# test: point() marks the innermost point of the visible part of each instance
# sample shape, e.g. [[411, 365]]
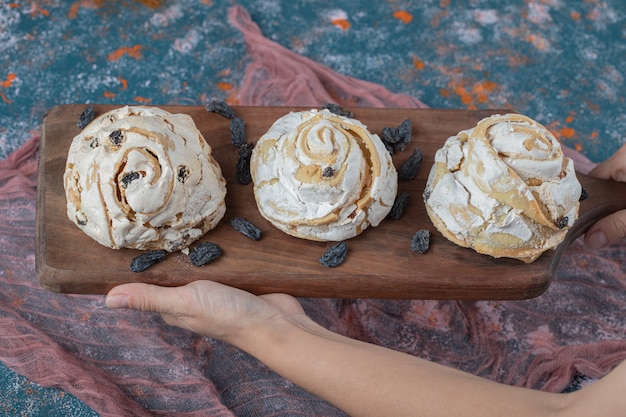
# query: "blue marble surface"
[[560, 62]]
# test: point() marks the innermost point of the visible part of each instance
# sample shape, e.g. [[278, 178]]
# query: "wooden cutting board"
[[380, 263]]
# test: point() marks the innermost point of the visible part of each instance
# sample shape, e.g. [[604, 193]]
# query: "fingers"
[[606, 231], [613, 168]]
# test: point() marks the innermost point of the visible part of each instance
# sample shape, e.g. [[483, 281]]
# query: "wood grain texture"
[[380, 263]]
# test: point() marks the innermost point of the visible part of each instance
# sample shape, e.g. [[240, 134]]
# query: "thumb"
[[606, 231], [144, 297]]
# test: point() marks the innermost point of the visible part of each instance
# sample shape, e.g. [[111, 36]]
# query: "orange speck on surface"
[[483, 89], [7, 83], [73, 12], [18, 302], [417, 63], [594, 134], [538, 42], [14, 5], [569, 119], [140, 99], [4, 98], [444, 3], [568, 132], [152, 4], [574, 15], [444, 93], [225, 86], [132, 51], [224, 72], [404, 16], [343, 24], [109, 94], [123, 82], [578, 147]]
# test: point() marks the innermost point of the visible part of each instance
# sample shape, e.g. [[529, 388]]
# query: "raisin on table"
[[220, 107], [204, 253], [246, 228], [411, 167], [86, 117], [400, 203], [421, 241], [147, 259], [335, 255]]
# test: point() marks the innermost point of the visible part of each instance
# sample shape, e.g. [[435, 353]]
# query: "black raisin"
[[421, 241], [183, 174], [94, 143], [237, 131], [410, 168], [390, 135], [335, 255], [243, 164], [562, 222], [147, 259], [337, 109], [397, 210], [584, 194], [328, 172], [220, 107], [246, 228], [405, 133], [396, 139], [204, 253], [128, 178], [426, 194], [116, 137], [86, 117]]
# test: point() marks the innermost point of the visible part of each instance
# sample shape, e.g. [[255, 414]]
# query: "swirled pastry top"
[[503, 188], [143, 178], [320, 176]]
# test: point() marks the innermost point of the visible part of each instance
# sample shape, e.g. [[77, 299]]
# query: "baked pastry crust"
[[503, 188], [143, 178], [321, 176]]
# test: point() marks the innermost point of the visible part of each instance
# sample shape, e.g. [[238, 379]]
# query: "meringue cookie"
[[503, 188], [143, 178], [321, 176]]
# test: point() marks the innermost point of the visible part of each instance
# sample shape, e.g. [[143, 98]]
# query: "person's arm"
[[610, 229], [359, 378]]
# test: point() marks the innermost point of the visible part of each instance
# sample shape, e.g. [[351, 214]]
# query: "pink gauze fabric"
[[126, 363]]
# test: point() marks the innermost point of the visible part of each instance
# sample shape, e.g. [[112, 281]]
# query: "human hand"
[[612, 228], [208, 308]]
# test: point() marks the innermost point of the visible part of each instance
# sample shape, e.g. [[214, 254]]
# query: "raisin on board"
[[421, 241], [400, 203], [243, 174], [335, 255], [86, 117], [396, 139], [220, 107], [246, 228], [147, 259], [204, 253], [337, 109], [411, 166], [237, 131]]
